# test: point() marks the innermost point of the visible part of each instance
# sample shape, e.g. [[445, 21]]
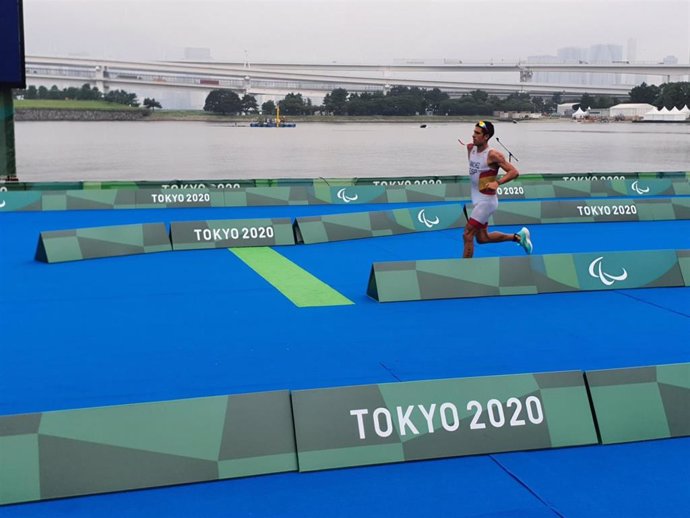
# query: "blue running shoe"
[[525, 241]]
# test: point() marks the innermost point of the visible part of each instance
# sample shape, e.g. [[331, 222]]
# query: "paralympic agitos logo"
[[639, 190], [596, 271], [342, 195], [428, 223]]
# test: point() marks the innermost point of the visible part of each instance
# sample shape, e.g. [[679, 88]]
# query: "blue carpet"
[[186, 324]]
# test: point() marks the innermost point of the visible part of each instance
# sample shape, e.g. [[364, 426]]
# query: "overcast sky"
[[352, 30]]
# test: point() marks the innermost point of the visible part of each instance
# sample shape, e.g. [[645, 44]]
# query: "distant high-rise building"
[[572, 55], [671, 60], [544, 77], [602, 54]]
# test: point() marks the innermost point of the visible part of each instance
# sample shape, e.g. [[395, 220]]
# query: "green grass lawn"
[[49, 104]]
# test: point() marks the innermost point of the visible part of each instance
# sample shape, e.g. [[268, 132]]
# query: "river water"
[[61, 151]]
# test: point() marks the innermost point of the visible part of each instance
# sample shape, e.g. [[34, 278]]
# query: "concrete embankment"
[[30, 114]]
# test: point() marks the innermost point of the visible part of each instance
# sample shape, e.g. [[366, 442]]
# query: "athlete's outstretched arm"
[[468, 146]]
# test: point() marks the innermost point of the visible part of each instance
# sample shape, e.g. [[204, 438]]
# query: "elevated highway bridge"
[[314, 79]]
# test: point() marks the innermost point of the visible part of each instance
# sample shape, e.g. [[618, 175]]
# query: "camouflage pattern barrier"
[[145, 197], [355, 225], [387, 181], [495, 276], [244, 197], [590, 211], [397, 422], [12, 201], [236, 183], [193, 235], [526, 189], [641, 403], [684, 261], [99, 450], [66, 200], [90, 243]]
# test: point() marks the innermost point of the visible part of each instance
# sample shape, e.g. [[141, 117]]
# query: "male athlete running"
[[484, 165]]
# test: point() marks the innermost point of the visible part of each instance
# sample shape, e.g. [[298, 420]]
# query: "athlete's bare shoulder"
[[495, 157]]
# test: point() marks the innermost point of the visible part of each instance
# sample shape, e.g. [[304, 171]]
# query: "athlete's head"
[[486, 128], [483, 131]]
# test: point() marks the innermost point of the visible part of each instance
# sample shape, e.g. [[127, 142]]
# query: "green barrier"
[[635, 208], [120, 184], [495, 276], [41, 186], [90, 243], [641, 403], [192, 235], [87, 200], [267, 196], [684, 262], [676, 177], [383, 194], [350, 195], [605, 177], [529, 189], [590, 211], [118, 448], [397, 422], [595, 271], [355, 225], [12, 201], [91, 199], [99, 450]]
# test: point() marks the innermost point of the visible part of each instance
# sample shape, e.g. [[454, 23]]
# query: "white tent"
[[630, 110], [651, 115], [565, 109], [666, 115], [579, 114]]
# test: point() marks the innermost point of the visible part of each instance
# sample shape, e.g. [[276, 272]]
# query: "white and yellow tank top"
[[481, 172]]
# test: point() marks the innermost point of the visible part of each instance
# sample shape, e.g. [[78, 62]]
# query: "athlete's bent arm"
[[497, 158]]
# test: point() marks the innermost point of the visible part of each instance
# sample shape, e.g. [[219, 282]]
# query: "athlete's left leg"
[[522, 238], [484, 236]]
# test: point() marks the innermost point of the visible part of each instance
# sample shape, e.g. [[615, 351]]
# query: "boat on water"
[[278, 122]]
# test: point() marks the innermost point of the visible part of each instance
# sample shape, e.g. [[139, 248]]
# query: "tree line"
[[666, 95], [85, 93], [402, 100], [398, 100]]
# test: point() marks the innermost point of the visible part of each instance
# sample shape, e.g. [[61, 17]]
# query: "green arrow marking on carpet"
[[298, 285]]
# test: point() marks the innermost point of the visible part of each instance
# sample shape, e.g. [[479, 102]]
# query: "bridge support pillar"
[[99, 79], [525, 75], [8, 166]]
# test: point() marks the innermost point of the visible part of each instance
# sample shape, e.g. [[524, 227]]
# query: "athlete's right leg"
[[468, 239]]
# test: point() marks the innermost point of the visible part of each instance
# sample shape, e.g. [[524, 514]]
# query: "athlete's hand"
[[493, 185]]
